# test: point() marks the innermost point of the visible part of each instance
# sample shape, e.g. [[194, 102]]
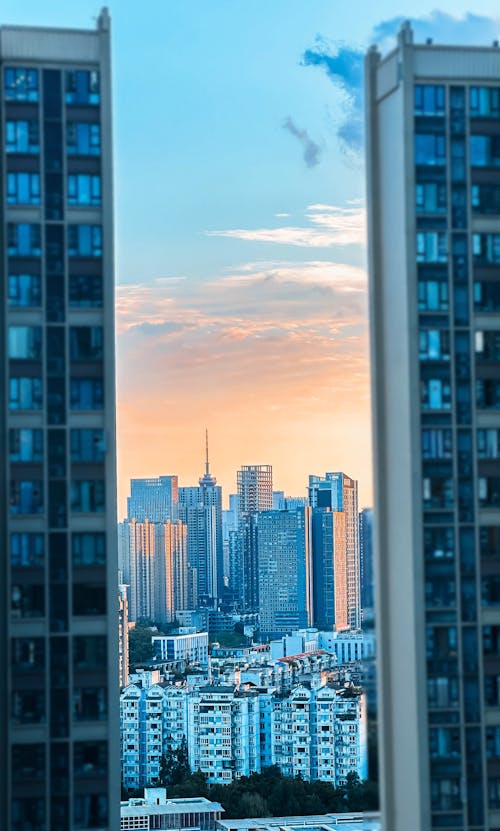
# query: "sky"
[[240, 227]]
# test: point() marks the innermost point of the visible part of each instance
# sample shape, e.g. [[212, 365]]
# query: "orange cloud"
[[272, 358]]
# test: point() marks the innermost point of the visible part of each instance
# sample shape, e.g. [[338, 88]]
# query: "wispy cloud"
[[311, 150], [343, 64], [329, 225]]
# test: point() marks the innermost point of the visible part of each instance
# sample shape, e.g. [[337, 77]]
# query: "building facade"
[[123, 635], [367, 598], [339, 493], [255, 488], [154, 499], [314, 731], [433, 120], [284, 556], [182, 649], [59, 635]]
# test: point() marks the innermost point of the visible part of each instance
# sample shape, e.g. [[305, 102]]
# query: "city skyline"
[[241, 279]]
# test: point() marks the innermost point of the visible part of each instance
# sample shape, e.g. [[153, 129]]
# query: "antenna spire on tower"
[[207, 467]]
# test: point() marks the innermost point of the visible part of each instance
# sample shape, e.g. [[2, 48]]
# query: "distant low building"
[[155, 810], [179, 650]]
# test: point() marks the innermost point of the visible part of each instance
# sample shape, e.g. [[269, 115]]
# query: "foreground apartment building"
[[434, 208], [59, 726]]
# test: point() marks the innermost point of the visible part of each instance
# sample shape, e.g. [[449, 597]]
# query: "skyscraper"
[[339, 493], [59, 605], [155, 499], [329, 569], [284, 555], [366, 562], [255, 488], [433, 123]]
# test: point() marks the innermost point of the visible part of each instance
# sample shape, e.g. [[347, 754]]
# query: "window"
[[491, 641], [490, 590], [27, 550], [23, 240], [90, 759], [430, 149], [486, 248], [488, 444], [25, 343], [27, 600], [433, 295], [437, 444], [429, 99], [87, 496], [84, 189], [437, 492], [28, 655], [87, 445], [24, 290], [85, 291], [446, 794], [432, 247], [444, 742], [86, 343], [436, 394], [484, 151], [21, 84], [91, 810], [83, 138], [487, 345], [25, 393], [89, 652], [25, 445], [88, 549], [488, 394], [26, 496], [430, 198], [489, 541], [439, 543], [28, 707], [90, 704], [82, 87], [84, 240], [22, 137], [484, 102], [87, 394], [485, 199], [489, 491], [434, 345], [89, 599], [487, 297], [23, 189]]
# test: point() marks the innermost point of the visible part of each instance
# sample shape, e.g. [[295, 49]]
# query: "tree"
[[140, 647]]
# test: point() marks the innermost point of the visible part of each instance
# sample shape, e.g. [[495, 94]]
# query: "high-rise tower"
[[434, 217], [58, 585]]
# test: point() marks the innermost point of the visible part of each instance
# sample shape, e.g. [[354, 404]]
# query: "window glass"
[[25, 445], [87, 445], [84, 189], [430, 198], [86, 343], [87, 496], [432, 295], [27, 600], [25, 393], [85, 290], [436, 394], [26, 496], [86, 394], [432, 247], [24, 290], [90, 759], [84, 240], [88, 549], [28, 707], [437, 444], [429, 99], [90, 703], [83, 138], [82, 87], [89, 652], [22, 137], [23, 240], [23, 188], [20, 84], [27, 550], [89, 599], [25, 343], [484, 102], [488, 394], [430, 149]]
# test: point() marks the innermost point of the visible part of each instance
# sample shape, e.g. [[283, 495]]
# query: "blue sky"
[[239, 305]]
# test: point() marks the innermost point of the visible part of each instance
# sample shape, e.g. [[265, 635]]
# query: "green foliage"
[[140, 647], [271, 794], [231, 640]]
